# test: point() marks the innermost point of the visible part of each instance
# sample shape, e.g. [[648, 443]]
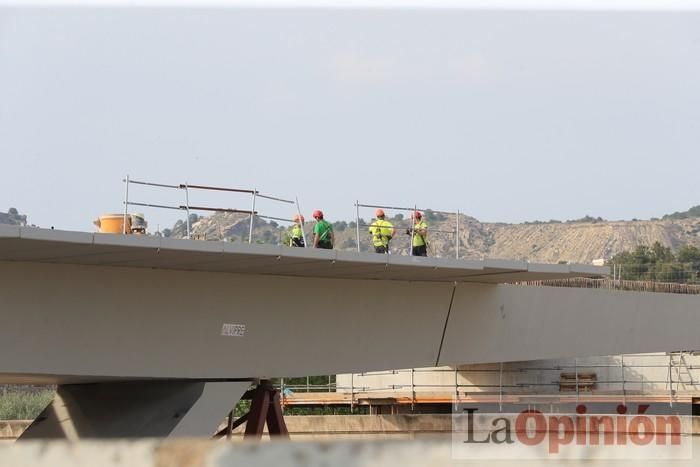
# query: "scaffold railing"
[[617, 284], [188, 208], [670, 364], [358, 224]]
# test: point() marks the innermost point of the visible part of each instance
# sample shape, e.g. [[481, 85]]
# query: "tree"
[[690, 213], [689, 254], [658, 263]]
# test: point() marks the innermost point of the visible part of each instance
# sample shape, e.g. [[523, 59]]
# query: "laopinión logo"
[[585, 430]]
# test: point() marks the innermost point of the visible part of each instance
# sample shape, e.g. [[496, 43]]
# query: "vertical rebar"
[[678, 370], [413, 230], [282, 393], [352, 392], [457, 236], [576, 373], [413, 389], [126, 205], [670, 380], [252, 217], [622, 371], [500, 388], [303, 231], [456, 385], [187, 208], [229, 430], [357, 223]]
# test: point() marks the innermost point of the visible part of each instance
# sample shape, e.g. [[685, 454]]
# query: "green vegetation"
[[586, 220], [340, 226], [582, 220], [23, 405], [659, 263], [434, 216], [693, 212], [551, 221]]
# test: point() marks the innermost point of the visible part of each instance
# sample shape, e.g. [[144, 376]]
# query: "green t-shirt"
[[323, 229]]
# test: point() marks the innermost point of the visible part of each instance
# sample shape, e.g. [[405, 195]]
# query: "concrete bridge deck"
[[173, 331]]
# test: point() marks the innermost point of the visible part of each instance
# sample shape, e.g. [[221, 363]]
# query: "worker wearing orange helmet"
[[323, 232], [296, 236], [419, 234], [382, 231]]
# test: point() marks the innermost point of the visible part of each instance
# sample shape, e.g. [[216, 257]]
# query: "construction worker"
[[323, 232], [296, 236], [419, 232], [382, 232]]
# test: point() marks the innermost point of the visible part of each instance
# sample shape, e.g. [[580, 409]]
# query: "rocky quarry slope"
[[552, 242]]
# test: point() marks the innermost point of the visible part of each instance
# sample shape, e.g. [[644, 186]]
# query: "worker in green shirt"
[[296, 236], [419, 232], [323, 232], [382, 232]]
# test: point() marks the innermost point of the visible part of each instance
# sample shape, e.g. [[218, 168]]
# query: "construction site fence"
[[617, 284]]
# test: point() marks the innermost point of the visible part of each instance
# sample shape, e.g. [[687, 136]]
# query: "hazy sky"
[[505, 115]]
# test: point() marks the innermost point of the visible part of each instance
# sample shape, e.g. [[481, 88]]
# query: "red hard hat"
[[379, 213], [318, 214], [298, 217], [417, 214]]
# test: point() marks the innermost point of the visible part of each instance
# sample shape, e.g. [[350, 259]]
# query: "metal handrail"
[[188, 208]]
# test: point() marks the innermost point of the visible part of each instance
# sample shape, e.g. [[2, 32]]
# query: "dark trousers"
[[325, 246], [298, 242], [420, 250], [381, 249]]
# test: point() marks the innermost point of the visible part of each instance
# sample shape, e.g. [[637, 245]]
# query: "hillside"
[[574, 241]]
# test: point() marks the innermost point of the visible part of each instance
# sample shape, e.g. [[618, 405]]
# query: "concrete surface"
[[140, 251], [148, 453]]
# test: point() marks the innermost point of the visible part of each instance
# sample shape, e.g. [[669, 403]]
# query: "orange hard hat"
[[379, 213], [417, 215], [299, 218], [318, 214]]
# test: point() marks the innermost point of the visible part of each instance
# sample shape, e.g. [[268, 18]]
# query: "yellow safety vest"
[[418, 239], [381, 231]]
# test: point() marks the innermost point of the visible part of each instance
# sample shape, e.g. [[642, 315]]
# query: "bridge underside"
[[172, 329]]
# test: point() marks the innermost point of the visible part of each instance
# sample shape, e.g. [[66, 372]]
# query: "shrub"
[[23, 405]]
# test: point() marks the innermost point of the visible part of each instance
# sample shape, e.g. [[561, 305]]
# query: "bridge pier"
[[135, 409]]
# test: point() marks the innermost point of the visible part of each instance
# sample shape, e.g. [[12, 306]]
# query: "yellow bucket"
[[113, 223]]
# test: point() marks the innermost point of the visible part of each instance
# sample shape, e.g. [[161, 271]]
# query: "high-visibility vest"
[[418, 239], [297, 232], [381, 231]]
